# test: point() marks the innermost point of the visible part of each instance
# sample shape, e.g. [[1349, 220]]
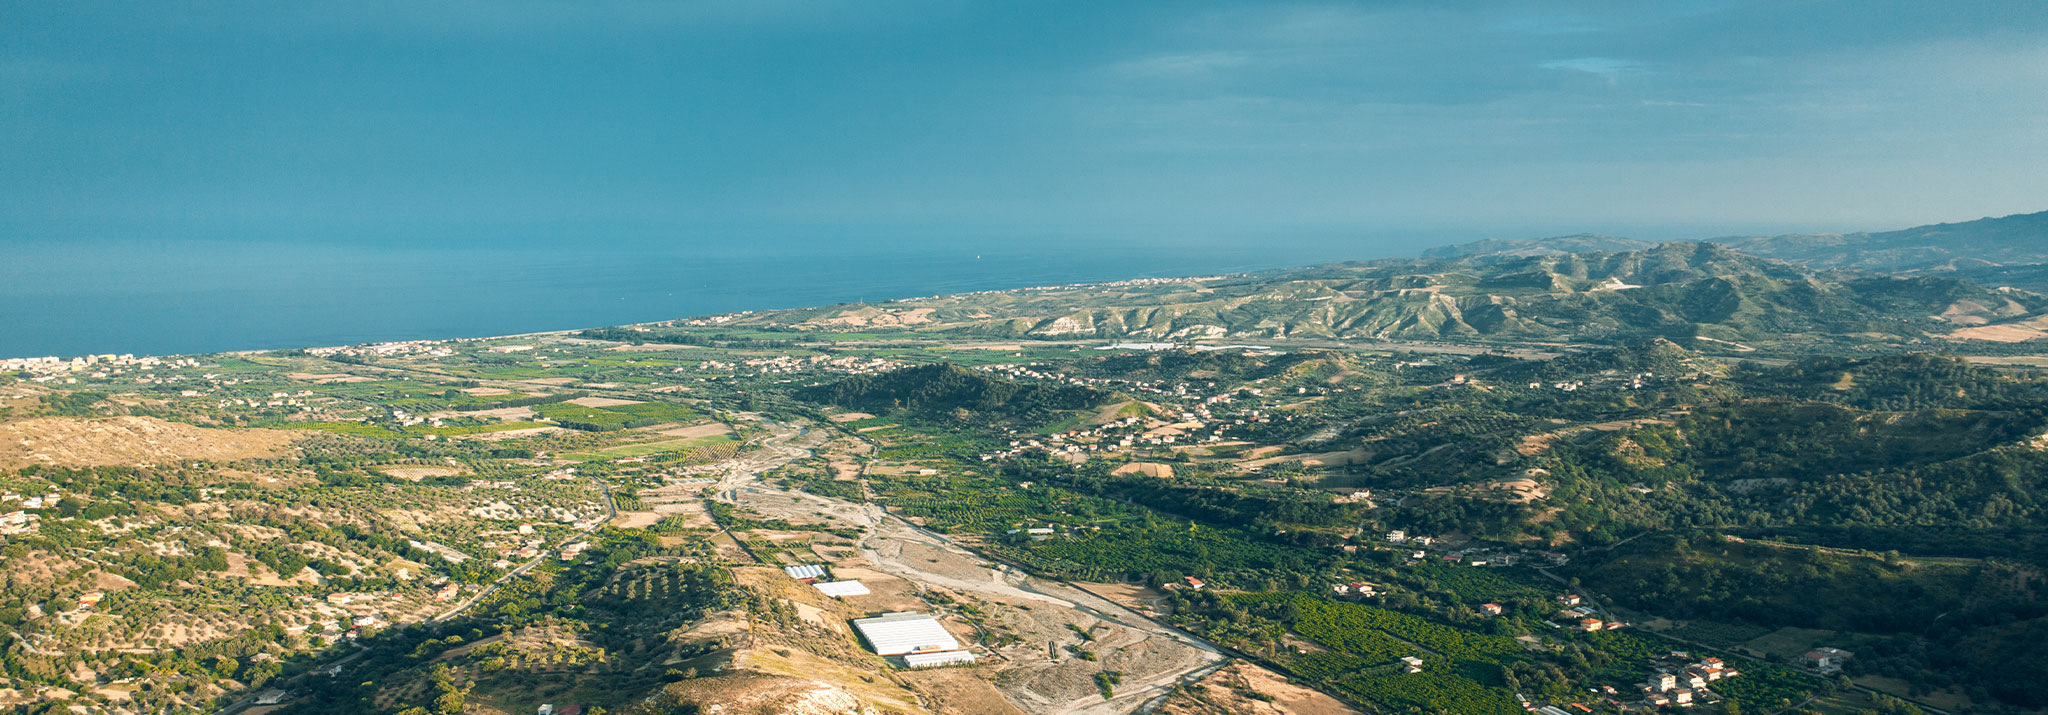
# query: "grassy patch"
[[481, 429], [647, 448], [349, 428], [603, 419]]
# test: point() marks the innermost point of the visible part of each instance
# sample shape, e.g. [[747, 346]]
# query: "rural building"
[[804, 571], [903, 633], [1569, 599], [1491, 609], [935, 660], [272, 696], [1826, 660], [841, 589]]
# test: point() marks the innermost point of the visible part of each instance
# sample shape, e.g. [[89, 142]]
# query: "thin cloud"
[[1603, 66], [1183, 65]]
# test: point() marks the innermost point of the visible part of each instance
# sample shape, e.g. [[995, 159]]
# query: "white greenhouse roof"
[[840, 589], [933, 660], [900, 633], [804, 571]]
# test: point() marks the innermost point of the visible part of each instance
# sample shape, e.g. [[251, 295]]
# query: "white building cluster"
[[429, 348]]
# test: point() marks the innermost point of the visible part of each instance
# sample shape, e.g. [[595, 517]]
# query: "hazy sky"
[[424, 121]]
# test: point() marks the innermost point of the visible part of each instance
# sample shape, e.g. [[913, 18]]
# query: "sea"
[[193, 296], [188, 297]]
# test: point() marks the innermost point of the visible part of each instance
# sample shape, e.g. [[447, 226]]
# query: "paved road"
[[883, 535]]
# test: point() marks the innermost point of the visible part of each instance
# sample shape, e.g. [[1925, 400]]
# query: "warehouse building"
[[935, 660], [904, 633], [841, 589]]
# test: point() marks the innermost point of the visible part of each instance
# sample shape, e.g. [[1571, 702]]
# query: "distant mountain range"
[[1970, 247], [1923, 287], [1527, 247], [1522, 293]]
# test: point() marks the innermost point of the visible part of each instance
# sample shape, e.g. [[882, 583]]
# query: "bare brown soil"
[[502, 435], [328, 378], [2011, 333], [1226, 692], [636, 519], [110, 441], [866, 317], [695, 431], [1519, 491], [954, 690], [1150, 469], [415, 472]]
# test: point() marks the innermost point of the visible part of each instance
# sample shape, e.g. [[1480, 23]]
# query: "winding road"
[[883, 541]]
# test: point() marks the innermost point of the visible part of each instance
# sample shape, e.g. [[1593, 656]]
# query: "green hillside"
[[951, 390]]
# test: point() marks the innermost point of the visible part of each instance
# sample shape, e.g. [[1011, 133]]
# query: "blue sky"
[[1172, 122]]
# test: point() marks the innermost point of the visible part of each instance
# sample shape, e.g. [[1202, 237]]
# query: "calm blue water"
[[175, 295], [190, 297]]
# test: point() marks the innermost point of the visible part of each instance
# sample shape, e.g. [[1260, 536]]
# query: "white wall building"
[[904, 632]]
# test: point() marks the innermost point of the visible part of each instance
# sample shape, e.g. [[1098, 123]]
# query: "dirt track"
[[1038, 675]]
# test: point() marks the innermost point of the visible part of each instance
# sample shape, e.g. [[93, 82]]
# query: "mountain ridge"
[[1965, 246], [1679, 290]]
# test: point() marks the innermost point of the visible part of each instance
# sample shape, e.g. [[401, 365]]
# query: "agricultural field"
[[1468, 666], [363, 497], [614, 417]]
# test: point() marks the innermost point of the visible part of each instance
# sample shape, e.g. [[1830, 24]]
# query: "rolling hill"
[[1673, 290], [2020, 239], [1976, 248], [947, 389]]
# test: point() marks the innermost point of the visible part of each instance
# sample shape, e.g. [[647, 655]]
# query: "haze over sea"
[[180, 177], [165, 297]]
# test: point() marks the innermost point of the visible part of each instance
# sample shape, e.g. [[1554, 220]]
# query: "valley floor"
[[1152, 657]]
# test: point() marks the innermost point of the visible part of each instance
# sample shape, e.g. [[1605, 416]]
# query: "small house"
[[1826, 660]]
